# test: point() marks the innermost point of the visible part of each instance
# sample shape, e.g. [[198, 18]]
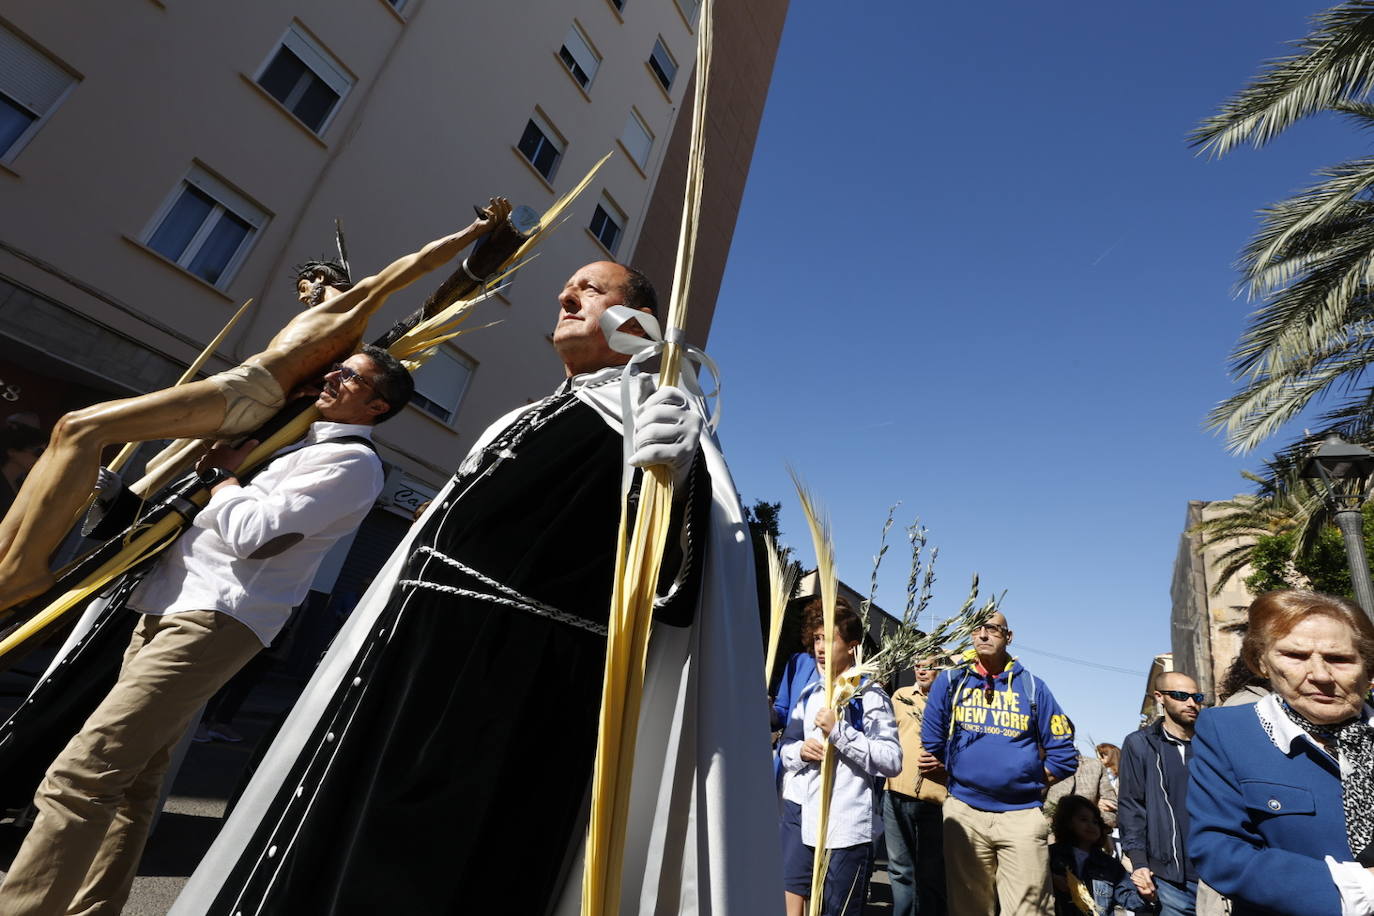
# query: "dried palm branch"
[[553, 217], [639, 555], [782, 582], [129, 448], [828, 582]]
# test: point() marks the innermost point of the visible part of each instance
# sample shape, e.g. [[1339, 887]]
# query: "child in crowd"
[[1087, 880], [864, 735]]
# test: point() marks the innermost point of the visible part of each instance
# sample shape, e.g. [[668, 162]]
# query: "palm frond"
[[1357, 112], [1334, 63], [1267, 401], [1286, 503], [1322, 215]]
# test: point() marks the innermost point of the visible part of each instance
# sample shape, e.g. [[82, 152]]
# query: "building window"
[[618, 4], [31, 87], [637, 139], [663, 65], [205, 227], [441, 383], [608, 224], [579, 57], [398, 5], [542, 146], [689, 10], [306, 79]]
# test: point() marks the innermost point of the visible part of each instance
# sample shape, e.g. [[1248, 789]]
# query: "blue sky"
[[978, 270]]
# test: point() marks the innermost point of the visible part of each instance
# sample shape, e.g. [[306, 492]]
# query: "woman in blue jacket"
[[1281, 793]]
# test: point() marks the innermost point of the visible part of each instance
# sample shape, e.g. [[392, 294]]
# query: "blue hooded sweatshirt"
[[988, 732]]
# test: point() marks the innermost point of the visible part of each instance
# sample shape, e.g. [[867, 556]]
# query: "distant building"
[[1149, 707], [808, 587], [1205, 628], [164, 162]]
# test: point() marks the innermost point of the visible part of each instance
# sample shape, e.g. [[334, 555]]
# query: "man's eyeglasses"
[[1183, 695], [348, 375], [991, 629]]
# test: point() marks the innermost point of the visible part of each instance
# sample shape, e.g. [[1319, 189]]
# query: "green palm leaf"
[[1334, 65]]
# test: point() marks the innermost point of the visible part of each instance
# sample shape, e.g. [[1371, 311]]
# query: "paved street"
[[191, 818]]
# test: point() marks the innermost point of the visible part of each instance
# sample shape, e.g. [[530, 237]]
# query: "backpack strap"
[[954, 690], [354, 439], [359, 440]]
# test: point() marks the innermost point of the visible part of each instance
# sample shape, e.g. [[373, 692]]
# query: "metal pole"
[[1351, 523]]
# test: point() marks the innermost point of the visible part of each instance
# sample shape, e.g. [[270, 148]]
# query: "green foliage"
[[1322, 567], [1311, 262]]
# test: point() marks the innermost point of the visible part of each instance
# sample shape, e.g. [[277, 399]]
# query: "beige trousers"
[[98, 799], [996, 857]]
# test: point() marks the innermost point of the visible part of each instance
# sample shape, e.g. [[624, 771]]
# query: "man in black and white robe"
[[444, 749]]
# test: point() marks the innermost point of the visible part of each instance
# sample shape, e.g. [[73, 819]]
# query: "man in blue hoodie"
[[1001, 736]]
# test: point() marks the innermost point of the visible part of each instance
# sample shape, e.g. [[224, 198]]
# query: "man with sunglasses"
[[1152, 798], [216, 598]]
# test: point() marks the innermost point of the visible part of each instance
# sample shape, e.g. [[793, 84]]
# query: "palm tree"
[[1271, 510], [1311, 264]]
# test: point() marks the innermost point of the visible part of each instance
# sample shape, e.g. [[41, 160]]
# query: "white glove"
[[667, 431], [107, 485]]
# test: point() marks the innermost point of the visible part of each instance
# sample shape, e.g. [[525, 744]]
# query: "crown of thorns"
[[334, 273]]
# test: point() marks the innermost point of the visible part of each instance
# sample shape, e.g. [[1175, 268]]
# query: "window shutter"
[[582, 53], [28, 76]]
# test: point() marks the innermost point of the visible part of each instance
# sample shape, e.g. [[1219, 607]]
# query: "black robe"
[[454, 761]]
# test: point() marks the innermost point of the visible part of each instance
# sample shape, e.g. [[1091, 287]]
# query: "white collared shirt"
[[863, 755], [1353, 880], [318, 489]]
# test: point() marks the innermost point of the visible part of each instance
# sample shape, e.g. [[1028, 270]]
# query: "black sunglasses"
[[347, 375], [1182, 695]]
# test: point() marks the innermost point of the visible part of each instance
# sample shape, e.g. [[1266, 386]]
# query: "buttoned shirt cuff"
[[1356, 887], [217, 499]]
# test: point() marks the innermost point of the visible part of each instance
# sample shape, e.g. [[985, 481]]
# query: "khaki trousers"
[[996, 857], [99, 796]]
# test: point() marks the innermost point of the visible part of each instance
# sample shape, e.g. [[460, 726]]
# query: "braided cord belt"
[[505, 595]]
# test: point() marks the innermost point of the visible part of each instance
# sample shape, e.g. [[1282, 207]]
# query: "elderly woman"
[[1281, 793]]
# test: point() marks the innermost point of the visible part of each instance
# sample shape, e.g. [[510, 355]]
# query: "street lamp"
[[1334, 462]]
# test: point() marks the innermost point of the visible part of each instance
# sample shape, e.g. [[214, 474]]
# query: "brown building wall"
[[746, 44]]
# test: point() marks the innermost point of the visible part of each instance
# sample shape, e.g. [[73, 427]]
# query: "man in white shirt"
[[220, 594]]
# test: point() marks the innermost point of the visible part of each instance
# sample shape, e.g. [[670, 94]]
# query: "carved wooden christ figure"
[[225, 405]]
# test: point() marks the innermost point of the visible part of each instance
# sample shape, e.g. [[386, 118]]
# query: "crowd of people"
[[401, 779], [970, 780]]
